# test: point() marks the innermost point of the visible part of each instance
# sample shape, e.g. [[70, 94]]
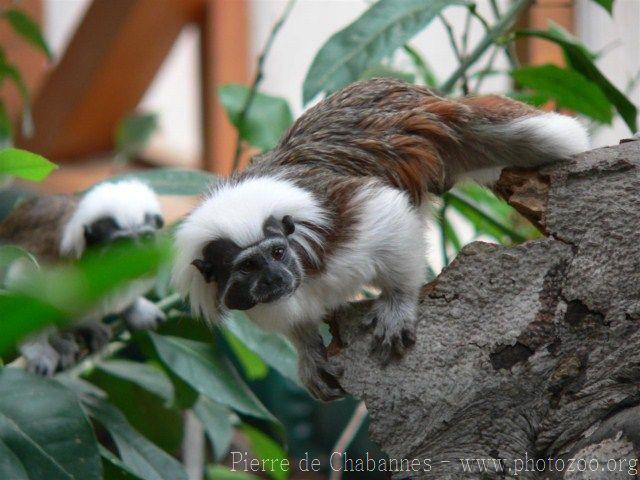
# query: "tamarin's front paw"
[[320, 376], [143, 315], [395, 328], [41, 358]]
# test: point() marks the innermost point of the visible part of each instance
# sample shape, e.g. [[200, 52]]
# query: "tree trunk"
[[528, 358]]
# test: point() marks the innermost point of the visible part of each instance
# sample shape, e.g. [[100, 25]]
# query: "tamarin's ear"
[[287, 225], [205, 268]]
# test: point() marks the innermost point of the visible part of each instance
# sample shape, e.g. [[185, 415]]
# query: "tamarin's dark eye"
[[277, 253]]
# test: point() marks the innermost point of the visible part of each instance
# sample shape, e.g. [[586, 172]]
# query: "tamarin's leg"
[[65, 344], [95, 334], [401, 271], [143, 315], [317, 373]]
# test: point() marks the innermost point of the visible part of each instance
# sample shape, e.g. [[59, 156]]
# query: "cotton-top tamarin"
[[340, 204], [58, 228]]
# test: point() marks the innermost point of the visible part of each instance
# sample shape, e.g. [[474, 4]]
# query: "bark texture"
[[523, 353]]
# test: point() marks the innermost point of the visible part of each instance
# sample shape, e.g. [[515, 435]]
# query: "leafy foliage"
[[139, 455], [581, 60], [23, 164], [57, 295], [266, 120], [134, 132], [209, 374], [568, 88], [386, 26], [44, 431], [28, 29]]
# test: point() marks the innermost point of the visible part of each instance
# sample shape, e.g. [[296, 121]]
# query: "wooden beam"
[[535, 51], [224, 58], [109, 64]]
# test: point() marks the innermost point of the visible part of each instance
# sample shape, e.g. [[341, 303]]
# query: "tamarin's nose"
[[272, 279]]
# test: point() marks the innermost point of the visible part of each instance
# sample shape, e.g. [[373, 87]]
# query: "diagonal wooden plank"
[[109, 64]]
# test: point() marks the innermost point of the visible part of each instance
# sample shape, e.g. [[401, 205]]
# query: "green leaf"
[[23, 458], [11, 466], [23, 314], [7, 70], [425, 71], [218, 422], [581, 60], [198, 365], [6, 130], [265, 448], [253, 367], [150, 378], [382, 71], [488, 217], [134, 132], [386, 26], [28, 29], [113, 467], [42, 424], [141, 457], [220, 472], [535, 99], [568, 88], [25, 165], [274, 349], [56, 295], [606, 4], [450, 235], [267, 119], [172, 181]]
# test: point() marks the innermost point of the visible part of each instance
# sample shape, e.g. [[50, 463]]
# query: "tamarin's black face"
[[107, 230], [260, 273]]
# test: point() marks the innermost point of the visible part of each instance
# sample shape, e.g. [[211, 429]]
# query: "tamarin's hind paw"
[[394, 331], [143, 315], [321, 379]]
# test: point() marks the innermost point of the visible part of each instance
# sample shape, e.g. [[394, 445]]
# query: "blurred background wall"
[[176, 96]]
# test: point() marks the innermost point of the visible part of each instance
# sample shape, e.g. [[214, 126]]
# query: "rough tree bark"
[[523, 353]]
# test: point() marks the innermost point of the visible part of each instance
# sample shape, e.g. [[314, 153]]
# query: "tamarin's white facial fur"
[[339, 205], [238, 212], [130, 204]]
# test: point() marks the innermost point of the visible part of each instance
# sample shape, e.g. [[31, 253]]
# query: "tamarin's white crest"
[[339, 204], [55, 228]]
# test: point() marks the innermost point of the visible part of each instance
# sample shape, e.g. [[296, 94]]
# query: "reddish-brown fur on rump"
[[387, 132]]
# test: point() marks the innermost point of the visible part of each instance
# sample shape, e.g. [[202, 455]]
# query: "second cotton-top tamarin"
[[340, 204], [60, 228]]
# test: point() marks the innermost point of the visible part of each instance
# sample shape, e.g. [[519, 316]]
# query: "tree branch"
[[523, 352]]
